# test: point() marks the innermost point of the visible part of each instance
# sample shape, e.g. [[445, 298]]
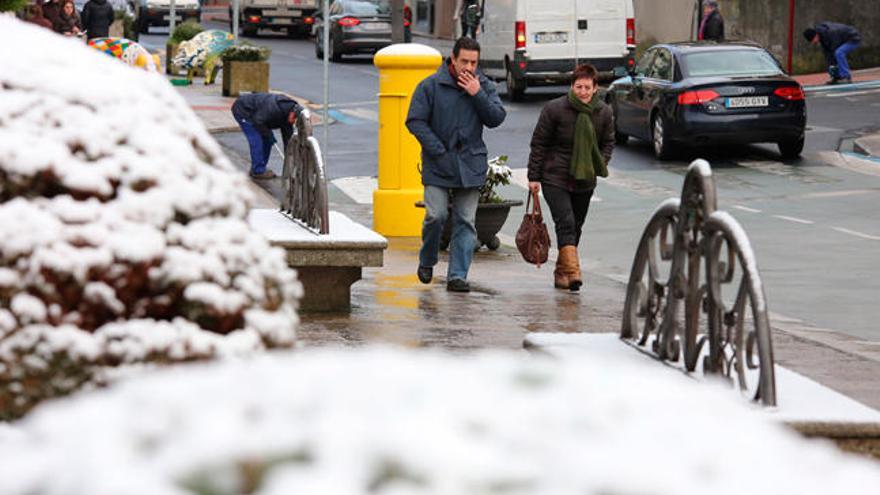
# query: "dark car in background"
[[356, 26], [707, 93]]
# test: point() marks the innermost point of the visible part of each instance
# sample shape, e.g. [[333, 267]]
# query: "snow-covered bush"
[[122, 227], [384, 421]]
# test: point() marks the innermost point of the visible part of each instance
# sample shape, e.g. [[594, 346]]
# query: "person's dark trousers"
[[840, 56], [569, 210], [260, 146]]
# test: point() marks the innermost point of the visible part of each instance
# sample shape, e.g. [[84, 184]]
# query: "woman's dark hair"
[[585, 71], [465, 43]]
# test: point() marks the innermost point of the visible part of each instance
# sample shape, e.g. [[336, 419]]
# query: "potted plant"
[[245, 68], [492, 209], [184, 32]]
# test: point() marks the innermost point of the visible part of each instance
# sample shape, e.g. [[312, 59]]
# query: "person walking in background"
[[469, 12], [571, 146], [448, 112], [97, 16], [712, 25], [67, 22], [35, 16], [257, 114], [837, 41]]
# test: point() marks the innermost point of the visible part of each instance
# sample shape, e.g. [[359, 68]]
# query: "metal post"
[[790, 34], [397, 35], [172, 22], [235, 21], [326, 42]]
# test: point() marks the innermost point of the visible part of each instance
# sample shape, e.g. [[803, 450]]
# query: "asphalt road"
[[813, 223]]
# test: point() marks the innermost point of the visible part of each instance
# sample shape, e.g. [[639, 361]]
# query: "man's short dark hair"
[[465, 43], [585, 71], [809, 34]]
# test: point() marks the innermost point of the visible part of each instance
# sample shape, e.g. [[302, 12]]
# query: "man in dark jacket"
[[97, 16], [448, 112], [257, 114], [837, 41], [712, 25]]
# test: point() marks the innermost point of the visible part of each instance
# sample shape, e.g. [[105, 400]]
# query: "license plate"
[[376, 26], [291, 13], [557, 37], [282, 20], [167, 17], [747, 101]]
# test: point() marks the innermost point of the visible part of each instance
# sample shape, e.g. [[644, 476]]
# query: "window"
[[367, 7], [645, 63], [730, 63], [661, 66]]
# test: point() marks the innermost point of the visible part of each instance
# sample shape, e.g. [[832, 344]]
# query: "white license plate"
[[376, 26], [282, 20], [292, 13], [747, 101], [557, 37], [167, 17]]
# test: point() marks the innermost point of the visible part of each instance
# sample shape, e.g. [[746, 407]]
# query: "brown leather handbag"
[[532, 238]]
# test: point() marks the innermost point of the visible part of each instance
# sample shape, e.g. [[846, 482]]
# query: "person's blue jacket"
[[448, 123], [833, 35], [267, 111]]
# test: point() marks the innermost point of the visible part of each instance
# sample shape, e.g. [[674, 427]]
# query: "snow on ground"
[[117, 206], [388, 421]]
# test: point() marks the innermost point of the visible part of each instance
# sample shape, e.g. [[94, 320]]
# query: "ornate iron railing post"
[[668, 299], [305, 185]]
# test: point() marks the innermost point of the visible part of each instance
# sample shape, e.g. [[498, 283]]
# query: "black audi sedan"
[[703, 93], [356, 26]]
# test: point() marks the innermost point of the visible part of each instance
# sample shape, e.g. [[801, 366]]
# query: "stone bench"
[[327, 264]]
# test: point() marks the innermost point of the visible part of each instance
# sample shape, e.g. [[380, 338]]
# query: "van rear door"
[[569, 29]]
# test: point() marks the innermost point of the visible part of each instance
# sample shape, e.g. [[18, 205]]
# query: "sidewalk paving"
[[511, 299]]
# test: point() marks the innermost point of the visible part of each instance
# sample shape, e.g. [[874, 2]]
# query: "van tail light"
[[349, 21], [254, 19], [631, 31], [790, 93], [309, 21], [520, 30], [697, 97]]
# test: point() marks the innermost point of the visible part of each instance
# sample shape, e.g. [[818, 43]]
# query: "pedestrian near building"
[[447, 115], [97, 16], [712, 25], [258, 114], [837, 41], [571, 146], [469, 13], [35, 16], [67, 22]]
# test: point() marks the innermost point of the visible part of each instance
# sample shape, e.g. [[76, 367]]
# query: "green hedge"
[[12, 5], [185, 32], [246, 53]]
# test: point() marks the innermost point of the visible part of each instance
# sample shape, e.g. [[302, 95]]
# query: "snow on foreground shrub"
[[122, 227], [386, 421]]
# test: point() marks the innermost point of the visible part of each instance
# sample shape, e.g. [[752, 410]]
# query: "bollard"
[[401, 68]]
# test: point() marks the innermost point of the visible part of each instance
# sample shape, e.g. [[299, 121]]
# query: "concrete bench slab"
[[327, 264]]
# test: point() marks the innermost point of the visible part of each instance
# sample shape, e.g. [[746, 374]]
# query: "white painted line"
[[857, 233], [363, 114], [852, 93], [359, 189], [794, 219], [746, 208]]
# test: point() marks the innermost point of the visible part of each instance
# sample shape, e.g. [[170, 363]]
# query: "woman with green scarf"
[[571, 146]]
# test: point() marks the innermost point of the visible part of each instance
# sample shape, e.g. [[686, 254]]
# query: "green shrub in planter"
[[128, 30], [245, 68], [185, 32], [12, 5], [246, 53]]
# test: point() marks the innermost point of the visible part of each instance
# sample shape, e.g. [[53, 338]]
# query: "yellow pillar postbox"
[[401, 68]]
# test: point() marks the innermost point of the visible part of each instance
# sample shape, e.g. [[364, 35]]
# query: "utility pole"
[[397, 35], [172, 21], [235, 21]]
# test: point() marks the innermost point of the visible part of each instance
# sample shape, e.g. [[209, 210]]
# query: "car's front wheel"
[[663, 148], [791, 148]]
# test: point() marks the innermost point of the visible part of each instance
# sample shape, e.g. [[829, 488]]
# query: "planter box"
[[245, 76], [170, 52]]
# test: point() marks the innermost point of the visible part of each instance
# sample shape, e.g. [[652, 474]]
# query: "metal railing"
[[695, 296], [305, 185]]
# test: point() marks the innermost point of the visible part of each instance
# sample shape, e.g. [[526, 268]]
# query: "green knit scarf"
[[586, 160]]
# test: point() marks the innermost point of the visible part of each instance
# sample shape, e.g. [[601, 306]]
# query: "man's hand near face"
[[469, 82]]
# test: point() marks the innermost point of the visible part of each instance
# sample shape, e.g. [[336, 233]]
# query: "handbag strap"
[[536, 205]]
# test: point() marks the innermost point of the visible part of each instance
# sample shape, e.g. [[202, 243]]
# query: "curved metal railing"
[[305, 185], [694, 282]]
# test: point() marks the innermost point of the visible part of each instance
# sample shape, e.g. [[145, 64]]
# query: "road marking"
[[359, 189], [838, 194], [857, 233], [354, 104], [746, 208], [363, 114], [794, 219], [853, 93]]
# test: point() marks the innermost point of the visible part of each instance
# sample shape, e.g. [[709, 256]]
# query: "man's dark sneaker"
[[425, 273], [844, 80], [458, 285], [267, 174]]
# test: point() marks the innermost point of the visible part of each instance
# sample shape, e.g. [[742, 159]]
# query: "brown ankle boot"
[[572, 266], [560, 276]]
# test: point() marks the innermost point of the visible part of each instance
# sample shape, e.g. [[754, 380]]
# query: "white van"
[[539, 42]]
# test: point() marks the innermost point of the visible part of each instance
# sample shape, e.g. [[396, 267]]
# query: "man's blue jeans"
[[260, 145], [840, 55], [464, 234]]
